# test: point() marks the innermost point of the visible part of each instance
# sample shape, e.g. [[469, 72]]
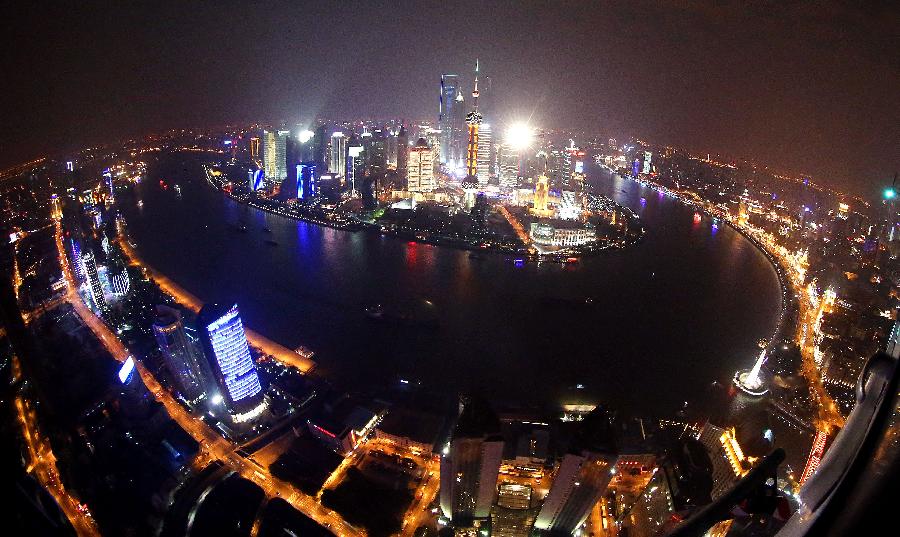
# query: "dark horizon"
[[804, 88]]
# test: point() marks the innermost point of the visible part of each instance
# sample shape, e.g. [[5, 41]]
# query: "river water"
[[667, 317]]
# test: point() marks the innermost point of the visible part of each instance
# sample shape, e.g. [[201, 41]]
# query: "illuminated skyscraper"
[[403, 153], [228, 354], [648, 156], [77, 264], [509, 166], [355, 164], [420, 168], [581, 478], [473, 124], [451, 121], [485, 155], [307, 180], [93, 279], [469, 468], [181, 357], [338, 164], [275, 156]]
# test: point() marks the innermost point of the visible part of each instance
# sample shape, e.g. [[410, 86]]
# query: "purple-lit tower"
[[228, 353]]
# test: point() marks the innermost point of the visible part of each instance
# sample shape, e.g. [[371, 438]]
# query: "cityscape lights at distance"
[[519, 135]]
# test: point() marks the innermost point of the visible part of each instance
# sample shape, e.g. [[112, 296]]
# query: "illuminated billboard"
[[126, 371]]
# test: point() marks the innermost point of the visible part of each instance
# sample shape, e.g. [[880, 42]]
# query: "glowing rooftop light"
[[890, 193], [305, 136], [519, 135]]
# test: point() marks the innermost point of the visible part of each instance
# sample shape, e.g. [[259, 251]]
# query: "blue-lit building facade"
[[225, 345], [307, 180]]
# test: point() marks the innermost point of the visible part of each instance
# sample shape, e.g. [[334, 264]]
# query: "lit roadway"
[[42, 465], [811, 307], [213, 445], [811, 319], [517, 227], [418, 512]]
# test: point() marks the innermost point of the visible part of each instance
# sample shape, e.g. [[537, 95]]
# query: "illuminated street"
[[213, 445], [470, 269], [42, 464]]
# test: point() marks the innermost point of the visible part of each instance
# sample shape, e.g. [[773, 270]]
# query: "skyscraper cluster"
[[470, 495], [215, 364]]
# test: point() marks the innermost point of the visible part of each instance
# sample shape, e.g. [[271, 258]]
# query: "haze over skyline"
[[805, 87]]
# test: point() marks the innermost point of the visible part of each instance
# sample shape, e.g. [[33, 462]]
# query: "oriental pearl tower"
[[473, 120]]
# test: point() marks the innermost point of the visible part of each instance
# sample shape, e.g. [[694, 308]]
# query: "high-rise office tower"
[[452, 122], [225, 345], [420, 168], [485, 161], [254, 148], [307, 180], [77, 264], [433, 137], [509, 166], [338, 164], [320, 148], [376, 153], [473, 125], [181, 356], [581, 477], [449, 89], [355, 163], [402, 153], [93, 279], [613, 144], [470, 467], [275, 156]]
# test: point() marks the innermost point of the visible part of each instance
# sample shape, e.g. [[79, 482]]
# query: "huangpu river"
[[642, 329]]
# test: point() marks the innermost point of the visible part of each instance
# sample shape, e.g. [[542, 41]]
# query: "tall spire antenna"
[[475, 91]]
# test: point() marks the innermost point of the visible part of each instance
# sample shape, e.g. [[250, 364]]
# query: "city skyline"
[[691, 76], [532, 269]]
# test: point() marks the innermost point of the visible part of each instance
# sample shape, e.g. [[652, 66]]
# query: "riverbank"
[[524, 250], [781, 270], [281, 353]]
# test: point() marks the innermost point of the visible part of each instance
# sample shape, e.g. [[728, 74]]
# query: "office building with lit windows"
[[93, 278], [420, 168], [485, 158], [307, 180], [275, 156], [452, 122], [182, 358], [582, 476], [225, 345], [338, 164], [471, 464]]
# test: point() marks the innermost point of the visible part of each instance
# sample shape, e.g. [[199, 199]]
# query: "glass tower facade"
[[229, 355]]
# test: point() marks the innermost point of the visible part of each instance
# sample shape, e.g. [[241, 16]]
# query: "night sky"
[[810, 87]]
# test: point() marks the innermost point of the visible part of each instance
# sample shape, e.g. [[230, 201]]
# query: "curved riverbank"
[[682, 307], [521, 246], [281, 353], [781, 270]]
